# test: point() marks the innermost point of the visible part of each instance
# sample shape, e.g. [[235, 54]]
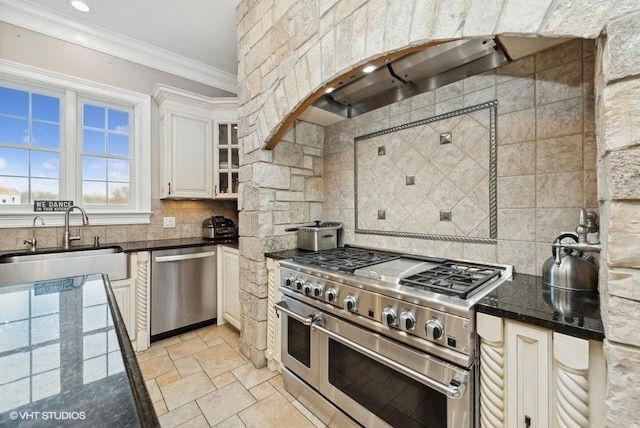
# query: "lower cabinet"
[[228, 286], [534, 377]]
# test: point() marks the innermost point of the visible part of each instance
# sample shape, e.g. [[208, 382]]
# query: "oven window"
[[392, 396], [299, 341]]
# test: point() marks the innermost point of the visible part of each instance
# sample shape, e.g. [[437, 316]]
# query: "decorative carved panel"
[[430, 179]]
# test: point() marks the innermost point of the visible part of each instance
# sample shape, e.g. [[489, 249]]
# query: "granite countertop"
[[130, 247], [66, 359], [285, 254], [525, 298]]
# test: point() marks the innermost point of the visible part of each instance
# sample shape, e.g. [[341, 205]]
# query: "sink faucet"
[[33, 241], [66, 240]]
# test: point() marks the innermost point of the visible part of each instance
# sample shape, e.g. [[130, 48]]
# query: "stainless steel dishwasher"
[[183, 289]]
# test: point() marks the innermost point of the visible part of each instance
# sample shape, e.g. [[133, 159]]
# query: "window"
[[62, 138]]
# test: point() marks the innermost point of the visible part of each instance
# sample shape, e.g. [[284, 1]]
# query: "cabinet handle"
[[527, 421], [169, 188], [215, 190]]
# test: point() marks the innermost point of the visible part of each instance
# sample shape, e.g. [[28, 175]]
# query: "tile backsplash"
[[546, 160], [188, 215]]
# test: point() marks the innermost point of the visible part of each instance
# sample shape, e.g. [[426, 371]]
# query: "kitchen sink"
[[24, 267]]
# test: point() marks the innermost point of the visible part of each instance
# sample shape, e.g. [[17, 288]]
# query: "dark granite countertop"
[[66, 359], [130, 247], [527, 299], [285, 254]]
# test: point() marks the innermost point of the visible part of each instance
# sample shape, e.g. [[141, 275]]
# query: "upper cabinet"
[[198, 145]]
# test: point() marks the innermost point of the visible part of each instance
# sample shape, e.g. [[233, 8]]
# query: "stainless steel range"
[[388, 339]]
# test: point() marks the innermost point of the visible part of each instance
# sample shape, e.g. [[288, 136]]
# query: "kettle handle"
[[567, 251]]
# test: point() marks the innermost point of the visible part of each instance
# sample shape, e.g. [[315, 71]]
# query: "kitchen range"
[[386, 338]]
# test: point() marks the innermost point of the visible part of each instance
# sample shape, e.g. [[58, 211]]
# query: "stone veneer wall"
[[188, 214], [288, 49], [546, 154]]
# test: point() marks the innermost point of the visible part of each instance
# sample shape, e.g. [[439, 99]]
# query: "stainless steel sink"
[[26, 267]]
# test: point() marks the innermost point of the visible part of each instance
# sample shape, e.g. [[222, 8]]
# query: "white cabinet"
[[228, 165], [189, 127], [228, 286], [534, 377]]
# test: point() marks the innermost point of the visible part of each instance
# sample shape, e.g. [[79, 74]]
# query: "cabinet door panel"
[[528, 366], [191, 156]]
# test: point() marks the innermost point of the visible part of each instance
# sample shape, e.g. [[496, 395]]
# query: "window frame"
[[74, 90]]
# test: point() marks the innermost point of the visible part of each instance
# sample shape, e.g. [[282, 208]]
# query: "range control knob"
[[331, 295], [434, 329], [307, 289], [350, 303], [389, 317], [318, 289], [407, 321], [299, 284], [289, 281]]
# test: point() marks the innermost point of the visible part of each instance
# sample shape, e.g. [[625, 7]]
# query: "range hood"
[[412, 74]]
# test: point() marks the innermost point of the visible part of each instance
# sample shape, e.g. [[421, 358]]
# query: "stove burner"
[[453, 278], [346, 259]]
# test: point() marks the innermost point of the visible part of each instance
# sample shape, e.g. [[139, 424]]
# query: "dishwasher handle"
[[162, 259]]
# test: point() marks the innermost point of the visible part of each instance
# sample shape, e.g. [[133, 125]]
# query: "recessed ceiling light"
[[80, 5], [369, 68]]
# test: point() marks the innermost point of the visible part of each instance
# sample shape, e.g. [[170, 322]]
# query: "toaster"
[[218, 227]]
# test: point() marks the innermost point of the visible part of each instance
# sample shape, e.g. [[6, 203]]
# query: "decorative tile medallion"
[[415, 180]]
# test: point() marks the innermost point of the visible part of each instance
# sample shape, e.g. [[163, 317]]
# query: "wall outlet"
[[168, 222]]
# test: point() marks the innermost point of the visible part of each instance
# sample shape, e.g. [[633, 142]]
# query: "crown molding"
[[51, 23]]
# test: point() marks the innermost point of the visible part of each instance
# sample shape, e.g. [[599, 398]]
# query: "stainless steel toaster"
[[218, 227]]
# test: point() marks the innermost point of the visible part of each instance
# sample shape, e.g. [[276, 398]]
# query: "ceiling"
[[195, 39]]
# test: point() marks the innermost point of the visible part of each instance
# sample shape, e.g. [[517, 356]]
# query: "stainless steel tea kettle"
[[570, 266]]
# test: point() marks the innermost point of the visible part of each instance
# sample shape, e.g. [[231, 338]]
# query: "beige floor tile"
[[156, 366], [239, 351], [186, 348], [263, 390], [182, 391], [187, 366], [164, 342], [160, 407], [154, 391], [214, 342], [224, 379], [274, 411], [251, 376], [150, 353], [198, 422], [168, 378], [307, 414], [180, 415], [190, 335], [210, 332], [219, 359], [225, 402], [278, 384], [233, 422]]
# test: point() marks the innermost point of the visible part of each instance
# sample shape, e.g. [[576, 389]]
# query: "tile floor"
[[201, 379]]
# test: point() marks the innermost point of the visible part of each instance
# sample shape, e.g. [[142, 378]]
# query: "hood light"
[[328, 90], [80, 5], [369, 68]]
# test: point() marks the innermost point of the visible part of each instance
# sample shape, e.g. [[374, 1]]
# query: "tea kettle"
[[570, 266]]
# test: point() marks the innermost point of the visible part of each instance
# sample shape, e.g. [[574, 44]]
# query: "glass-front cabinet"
[[198, 145], [228, 161]]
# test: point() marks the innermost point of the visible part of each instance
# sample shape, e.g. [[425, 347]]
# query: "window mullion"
[[69, 150]]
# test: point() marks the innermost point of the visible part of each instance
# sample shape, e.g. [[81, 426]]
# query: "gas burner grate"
[[453, 278], [345, 259]]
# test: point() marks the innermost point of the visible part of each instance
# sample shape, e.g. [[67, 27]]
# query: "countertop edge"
[[146, 412]]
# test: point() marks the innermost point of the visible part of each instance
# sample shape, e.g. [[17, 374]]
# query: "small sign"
[[51, 205]]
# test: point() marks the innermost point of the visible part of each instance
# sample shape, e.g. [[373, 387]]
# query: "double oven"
[[382, 339]]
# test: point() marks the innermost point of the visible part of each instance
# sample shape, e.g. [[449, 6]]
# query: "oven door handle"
[[454, 390], [308, 320]]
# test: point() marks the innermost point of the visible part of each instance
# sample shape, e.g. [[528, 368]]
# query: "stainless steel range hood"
[[413, 74]]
